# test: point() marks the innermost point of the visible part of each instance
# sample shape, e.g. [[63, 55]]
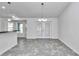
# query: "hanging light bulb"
[[39, 20], [42, 19], [42, 13], [45, 19]]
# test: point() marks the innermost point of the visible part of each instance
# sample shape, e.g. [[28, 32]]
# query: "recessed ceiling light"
[[3, 7], [9, 19], [13, 17]]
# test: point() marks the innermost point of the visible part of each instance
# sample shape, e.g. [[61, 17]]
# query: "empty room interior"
[[39, 28]]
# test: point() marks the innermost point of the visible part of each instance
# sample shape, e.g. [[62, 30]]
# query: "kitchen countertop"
[[7, 31]]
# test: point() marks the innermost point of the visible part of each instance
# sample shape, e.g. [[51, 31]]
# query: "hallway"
[[40, 47]]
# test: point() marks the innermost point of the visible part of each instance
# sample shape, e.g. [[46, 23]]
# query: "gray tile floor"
[[40, 47]]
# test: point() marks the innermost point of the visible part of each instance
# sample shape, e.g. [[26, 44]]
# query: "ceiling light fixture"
[[3, 7], [42, 13], [9, 3], [15, 18], [9, 19]]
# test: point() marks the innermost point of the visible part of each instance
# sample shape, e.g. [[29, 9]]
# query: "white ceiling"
[[32, 9]]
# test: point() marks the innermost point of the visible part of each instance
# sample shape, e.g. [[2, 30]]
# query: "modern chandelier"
[[42, 13]]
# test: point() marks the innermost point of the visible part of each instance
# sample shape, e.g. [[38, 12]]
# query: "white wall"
[[32, 28], [7, 41], [31, 31], [3, 24], [69, 26]]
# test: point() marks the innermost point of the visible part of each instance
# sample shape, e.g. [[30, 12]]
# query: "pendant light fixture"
[[42, 13]]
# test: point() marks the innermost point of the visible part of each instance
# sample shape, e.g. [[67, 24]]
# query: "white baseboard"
[[40, 38]]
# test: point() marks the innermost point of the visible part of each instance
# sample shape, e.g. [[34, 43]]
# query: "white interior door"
[[47, 30], [44, 29], [39, 29]]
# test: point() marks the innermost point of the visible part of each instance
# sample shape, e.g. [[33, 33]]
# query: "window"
[[19, 28], [10, 26]]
